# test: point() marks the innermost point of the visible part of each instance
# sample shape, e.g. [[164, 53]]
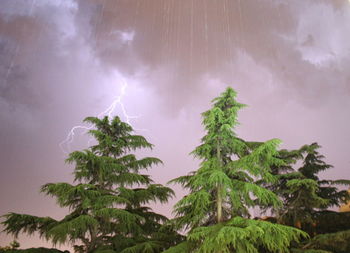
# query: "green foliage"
[[334, 242], [23, 223], [310, 251], [304, 194], [109, 201], [312, 165], [331, 222], [12, 247], [185, 247], [244, 236], [306, 199], [302, 200], [223, 189], [14, 244]]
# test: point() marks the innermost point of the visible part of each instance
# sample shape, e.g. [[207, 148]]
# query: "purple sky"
[[63, 60]]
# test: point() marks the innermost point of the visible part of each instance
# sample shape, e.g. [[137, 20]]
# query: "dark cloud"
[[195, 38], [61, 61]]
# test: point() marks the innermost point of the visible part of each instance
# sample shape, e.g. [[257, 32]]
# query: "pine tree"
[[307, 200], [337, 242], [304, 194], [328, 189], [216, 211], [108, 204]]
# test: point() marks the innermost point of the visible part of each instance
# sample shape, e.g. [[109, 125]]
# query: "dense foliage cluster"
[[109, 202], [108, 205]]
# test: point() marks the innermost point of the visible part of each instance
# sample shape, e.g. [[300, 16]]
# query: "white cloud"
[[322, 34], [126, 37]]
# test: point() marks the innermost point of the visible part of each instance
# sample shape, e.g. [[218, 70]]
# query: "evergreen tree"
[[307, 200], [337, 242], [304, 194], [108, 205], [327, 189], [216, 211]]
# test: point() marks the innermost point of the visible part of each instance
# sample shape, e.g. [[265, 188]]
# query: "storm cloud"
[[63, 60]]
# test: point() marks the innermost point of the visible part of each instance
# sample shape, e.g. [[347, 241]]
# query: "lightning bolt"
[[65, 144]]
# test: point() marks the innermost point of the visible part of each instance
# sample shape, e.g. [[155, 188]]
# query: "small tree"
[[307, 200], [108, 205], [304, 194], [221, 191], [15, 244]]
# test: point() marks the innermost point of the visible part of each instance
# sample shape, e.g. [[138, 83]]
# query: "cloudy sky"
[[63, 60]]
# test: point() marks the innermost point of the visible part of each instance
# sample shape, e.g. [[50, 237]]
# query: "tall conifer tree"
[[108, 205], [216, 211]]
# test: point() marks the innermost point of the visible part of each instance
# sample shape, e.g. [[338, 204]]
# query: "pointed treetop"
[[223, 114]]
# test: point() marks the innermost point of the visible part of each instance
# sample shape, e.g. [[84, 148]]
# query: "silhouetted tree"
[[307, 200], [305, 196]]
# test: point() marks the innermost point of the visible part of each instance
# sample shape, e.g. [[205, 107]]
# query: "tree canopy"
[[108, 203], [109, 200], [221, 191]]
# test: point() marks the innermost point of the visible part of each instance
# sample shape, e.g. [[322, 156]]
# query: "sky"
[[64, 60]]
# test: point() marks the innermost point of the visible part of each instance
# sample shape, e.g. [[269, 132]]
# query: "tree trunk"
[[219, 187], [219, 204]]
